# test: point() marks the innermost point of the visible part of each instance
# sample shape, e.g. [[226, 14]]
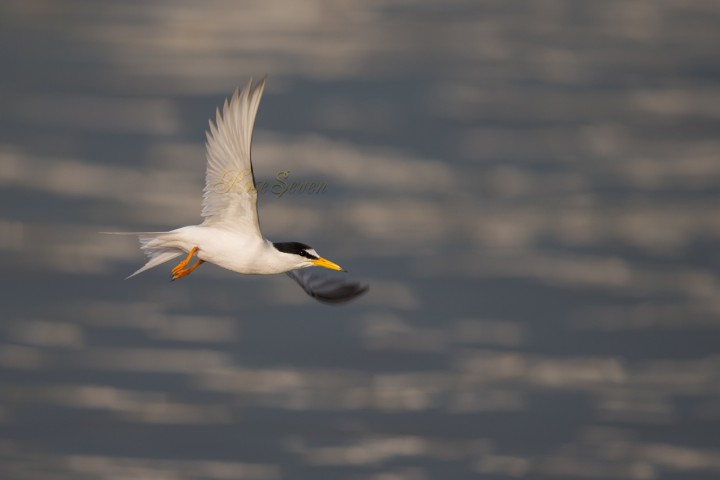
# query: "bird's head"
[[305, 255]]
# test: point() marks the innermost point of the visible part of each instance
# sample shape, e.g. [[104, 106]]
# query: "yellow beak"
[[321, 262]]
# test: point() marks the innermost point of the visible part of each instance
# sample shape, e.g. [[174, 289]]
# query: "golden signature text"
[[241, 181]]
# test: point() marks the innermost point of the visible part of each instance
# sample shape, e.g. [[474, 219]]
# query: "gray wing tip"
[[345, 294], [328, 290]]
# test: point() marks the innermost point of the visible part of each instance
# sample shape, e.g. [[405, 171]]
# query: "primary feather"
[[230, 197]]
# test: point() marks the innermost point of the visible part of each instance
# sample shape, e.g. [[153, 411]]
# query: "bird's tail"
[[153, 244]]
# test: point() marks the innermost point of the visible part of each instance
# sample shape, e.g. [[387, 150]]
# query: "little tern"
[[230, 234]]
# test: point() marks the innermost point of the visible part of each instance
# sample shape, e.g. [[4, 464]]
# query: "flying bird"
[[230, 234]]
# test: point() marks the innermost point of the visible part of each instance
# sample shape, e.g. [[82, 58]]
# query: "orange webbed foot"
[[184, 263], [186, 272], [180, 266]]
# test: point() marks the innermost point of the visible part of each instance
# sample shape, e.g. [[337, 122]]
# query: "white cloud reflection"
[[17, 460]]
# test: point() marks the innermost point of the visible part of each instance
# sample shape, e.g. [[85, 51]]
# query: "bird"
[[229, 235]]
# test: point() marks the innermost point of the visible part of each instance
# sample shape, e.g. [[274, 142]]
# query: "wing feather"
[[230, 195], [327, 289]]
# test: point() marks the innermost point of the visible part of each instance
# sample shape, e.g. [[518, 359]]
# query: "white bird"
[[230, 234]]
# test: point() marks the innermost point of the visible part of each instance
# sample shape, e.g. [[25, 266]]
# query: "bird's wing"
[[230, 196], [327, 289]]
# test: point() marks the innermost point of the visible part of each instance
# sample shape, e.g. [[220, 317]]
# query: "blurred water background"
[[530, 187]]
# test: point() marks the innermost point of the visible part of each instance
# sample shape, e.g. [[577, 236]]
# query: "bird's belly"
[[232, 260], [233, 252]]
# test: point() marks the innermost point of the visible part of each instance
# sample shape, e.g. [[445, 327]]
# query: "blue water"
[[530, 188]]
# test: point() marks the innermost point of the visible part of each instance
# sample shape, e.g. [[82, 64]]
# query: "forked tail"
[[153, 245]]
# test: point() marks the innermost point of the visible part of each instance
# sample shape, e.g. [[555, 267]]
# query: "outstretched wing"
[[327, 289], [230, 196]]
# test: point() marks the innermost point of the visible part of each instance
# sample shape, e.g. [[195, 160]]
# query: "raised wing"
[[230, 196], [327, 289]]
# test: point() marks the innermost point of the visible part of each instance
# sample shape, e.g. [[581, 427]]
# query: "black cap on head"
[[295, 248]]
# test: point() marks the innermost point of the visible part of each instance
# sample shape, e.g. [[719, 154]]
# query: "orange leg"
[[187, 271], [184, 263]]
